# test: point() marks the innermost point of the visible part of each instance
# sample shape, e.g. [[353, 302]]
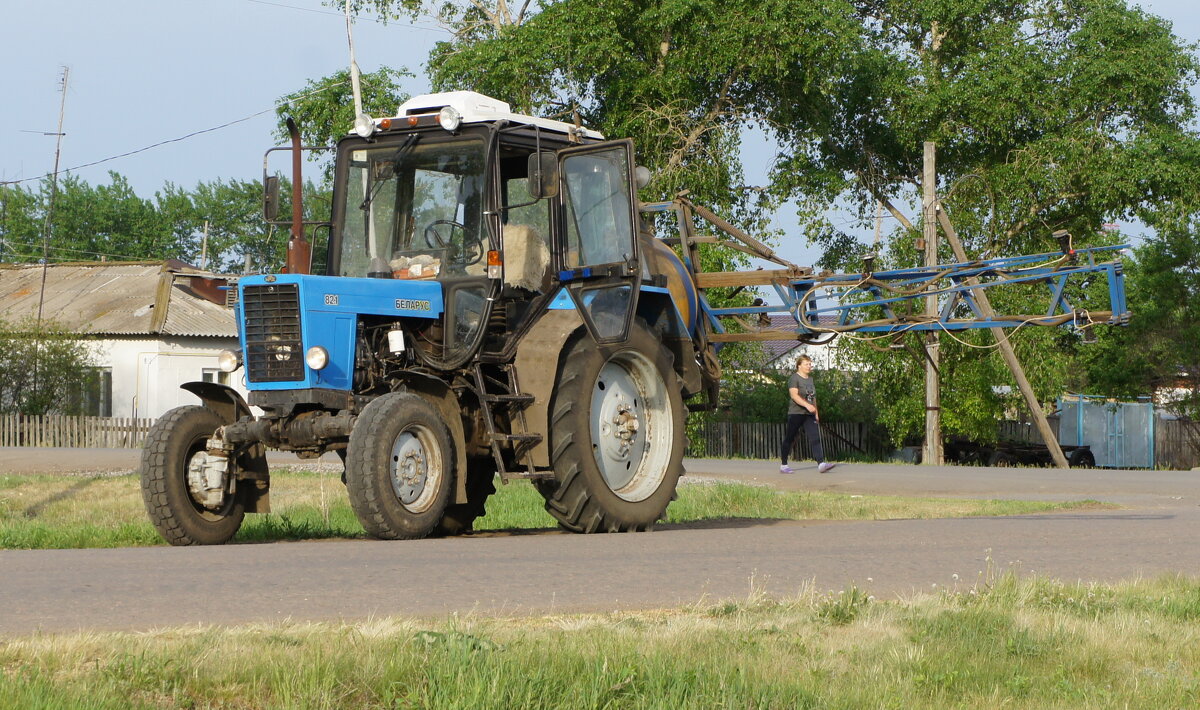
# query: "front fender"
[[222, 399], [230, 407]]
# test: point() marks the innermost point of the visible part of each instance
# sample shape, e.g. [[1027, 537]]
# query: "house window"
[[210, 374], [96, 399]]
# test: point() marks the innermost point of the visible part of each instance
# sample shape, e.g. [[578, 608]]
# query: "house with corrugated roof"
[[782, 354], [153, 326]]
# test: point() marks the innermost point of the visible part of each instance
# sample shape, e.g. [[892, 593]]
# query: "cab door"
[[596, 245]]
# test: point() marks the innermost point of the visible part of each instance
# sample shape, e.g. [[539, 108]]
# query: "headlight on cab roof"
[[317, 357], [449, 118], [229, 360]]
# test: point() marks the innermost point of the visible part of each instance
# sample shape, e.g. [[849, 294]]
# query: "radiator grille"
[[273, 344]]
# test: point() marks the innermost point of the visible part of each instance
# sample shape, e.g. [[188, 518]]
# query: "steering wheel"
[[461, 253]]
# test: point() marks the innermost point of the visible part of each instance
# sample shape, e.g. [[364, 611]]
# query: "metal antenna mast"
[[37, 345], [355, 77], [62, 109]]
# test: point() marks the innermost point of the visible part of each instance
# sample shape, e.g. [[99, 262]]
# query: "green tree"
[[51, 368], [324, 108], [1045, 116], [89, 222], [1157, 353], [1045, 119]]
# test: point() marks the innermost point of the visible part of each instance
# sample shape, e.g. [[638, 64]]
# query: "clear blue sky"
[[145, 71]]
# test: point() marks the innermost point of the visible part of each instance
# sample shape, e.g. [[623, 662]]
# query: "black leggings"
[[811, 430]]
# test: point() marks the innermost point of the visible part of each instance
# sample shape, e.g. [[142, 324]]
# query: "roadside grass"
[[43, 512], [1008, 642]]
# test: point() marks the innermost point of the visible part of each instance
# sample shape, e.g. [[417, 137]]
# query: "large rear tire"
[[616, 435], [399, 467], [175, 446]]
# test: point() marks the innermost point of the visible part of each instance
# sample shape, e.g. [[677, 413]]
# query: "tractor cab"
[[458, 190]]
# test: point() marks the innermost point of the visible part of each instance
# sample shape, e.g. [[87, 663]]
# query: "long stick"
[[1006, 350]]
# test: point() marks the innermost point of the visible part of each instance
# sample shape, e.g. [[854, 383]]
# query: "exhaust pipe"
[[299, 251]]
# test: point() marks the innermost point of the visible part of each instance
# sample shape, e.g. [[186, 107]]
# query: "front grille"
[[273, 345]]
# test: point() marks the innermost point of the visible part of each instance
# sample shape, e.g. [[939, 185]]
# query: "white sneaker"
[[825, 467]]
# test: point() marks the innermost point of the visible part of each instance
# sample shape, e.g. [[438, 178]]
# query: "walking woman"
[[803, 414]]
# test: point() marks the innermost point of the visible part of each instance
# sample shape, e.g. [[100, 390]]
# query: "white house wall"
[[146, 374], [824, 357]]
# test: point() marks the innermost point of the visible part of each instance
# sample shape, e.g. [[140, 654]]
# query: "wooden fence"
[[1176, 442], [761, 440], [73, 432]]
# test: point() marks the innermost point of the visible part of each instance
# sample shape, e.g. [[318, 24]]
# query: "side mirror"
[[271, 197], [543, 175]]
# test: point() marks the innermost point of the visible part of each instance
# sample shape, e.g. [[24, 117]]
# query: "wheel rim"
[[416, 468], [631, 426]]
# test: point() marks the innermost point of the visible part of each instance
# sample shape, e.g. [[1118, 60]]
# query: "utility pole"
[[62, 109], [204, 247], [37, 344], [932, 453]]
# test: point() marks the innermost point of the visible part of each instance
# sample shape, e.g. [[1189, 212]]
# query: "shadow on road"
[[727, 523], [1066, 515]]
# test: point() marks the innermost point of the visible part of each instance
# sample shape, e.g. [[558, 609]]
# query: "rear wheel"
[[616, 436], [175, 489], [398, 467]]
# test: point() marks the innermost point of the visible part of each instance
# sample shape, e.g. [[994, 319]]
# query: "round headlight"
[[228, 360], [364, 125], [449, 118], [317, 357]]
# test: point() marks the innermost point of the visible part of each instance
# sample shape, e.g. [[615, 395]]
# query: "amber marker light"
[[494, 262]]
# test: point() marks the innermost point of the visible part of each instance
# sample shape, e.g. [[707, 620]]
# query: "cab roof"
[[478, 108]]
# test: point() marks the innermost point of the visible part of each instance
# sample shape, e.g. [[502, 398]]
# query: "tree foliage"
[[1046, 115], [51, 368], [1158, 352], [111, 222], [323, 109]]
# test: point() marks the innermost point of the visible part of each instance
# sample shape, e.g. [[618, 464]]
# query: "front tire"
[[616, 435], [399, 467], [177, 444]]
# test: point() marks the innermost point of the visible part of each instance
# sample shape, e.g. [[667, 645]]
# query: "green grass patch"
[[44, 512], [1006, 643]]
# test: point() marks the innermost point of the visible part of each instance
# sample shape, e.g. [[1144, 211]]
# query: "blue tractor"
[[488, 303]]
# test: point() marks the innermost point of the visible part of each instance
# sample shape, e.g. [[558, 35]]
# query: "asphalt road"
[[140, 588]]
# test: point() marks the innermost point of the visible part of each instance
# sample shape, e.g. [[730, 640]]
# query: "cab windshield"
[[414, 210]]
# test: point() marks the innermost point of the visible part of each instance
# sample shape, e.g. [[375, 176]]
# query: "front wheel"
[[616, 436], [398, 467], [183, 505]]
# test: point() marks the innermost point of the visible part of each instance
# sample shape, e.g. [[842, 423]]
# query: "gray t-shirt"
[[807, 390]]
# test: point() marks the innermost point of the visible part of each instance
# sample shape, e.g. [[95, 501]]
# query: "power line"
[[174, 140], [10, 243]]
